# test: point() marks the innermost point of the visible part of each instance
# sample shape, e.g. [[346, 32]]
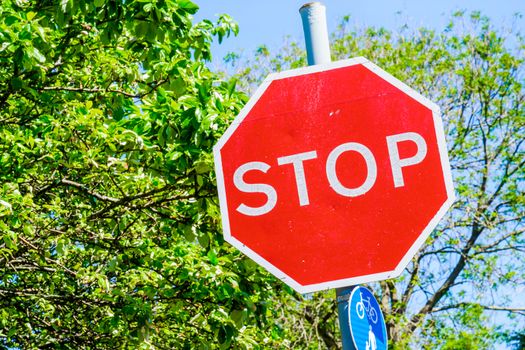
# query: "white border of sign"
[[347, 281]]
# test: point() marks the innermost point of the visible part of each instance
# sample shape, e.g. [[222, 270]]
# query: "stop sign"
[[333, 175]]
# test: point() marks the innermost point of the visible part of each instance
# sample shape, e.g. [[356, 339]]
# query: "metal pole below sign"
[[343, 296]]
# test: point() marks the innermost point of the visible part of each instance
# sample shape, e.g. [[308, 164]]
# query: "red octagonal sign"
[[333, 175]]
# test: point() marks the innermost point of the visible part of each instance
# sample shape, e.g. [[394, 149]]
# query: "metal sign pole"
[[343, 295], [315, 29], [313, 15]]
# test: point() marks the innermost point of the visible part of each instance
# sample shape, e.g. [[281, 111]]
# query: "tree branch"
[[86, 190], [519, 310], [90, 90]]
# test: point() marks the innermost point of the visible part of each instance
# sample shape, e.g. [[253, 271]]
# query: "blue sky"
[[269, 21]]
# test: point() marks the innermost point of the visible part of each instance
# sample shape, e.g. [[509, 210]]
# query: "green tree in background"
[[109, 224], [464, 289]]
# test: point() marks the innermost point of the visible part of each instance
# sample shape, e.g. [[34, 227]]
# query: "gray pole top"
[[313, 15]]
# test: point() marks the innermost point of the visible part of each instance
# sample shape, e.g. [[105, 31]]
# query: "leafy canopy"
[[108, 214]]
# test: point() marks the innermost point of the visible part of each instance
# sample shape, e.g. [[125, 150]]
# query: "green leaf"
[[30, 15], [5, 208], [36, 54], [103, 283], [28, 230], [213, 257], [141, 29], [189, 6], [9, 240], [238, 316], [148, 7], [64, 4]]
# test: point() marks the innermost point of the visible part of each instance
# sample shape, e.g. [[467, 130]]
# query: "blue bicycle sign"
[[363, 306], [367, 325]]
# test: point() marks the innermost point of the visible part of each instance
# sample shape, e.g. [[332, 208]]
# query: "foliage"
[[464, 281], [517, 340], [109, 232]]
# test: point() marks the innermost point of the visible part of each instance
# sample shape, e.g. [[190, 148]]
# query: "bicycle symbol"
[[363, 306]]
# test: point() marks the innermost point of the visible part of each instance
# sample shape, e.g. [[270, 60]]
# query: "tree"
[[465, 279], [109, 224]]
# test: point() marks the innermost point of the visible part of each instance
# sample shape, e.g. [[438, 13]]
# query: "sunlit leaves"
[[109, 225]]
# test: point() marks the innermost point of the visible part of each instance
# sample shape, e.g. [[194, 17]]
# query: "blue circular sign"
[[367, 325]]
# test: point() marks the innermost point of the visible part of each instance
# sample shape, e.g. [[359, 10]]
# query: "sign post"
[[313, 16], [315, 30], [343, 297]]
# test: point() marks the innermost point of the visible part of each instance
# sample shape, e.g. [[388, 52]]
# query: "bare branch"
[[519, 310], [484, 248], [91, 193], [90, 90]]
